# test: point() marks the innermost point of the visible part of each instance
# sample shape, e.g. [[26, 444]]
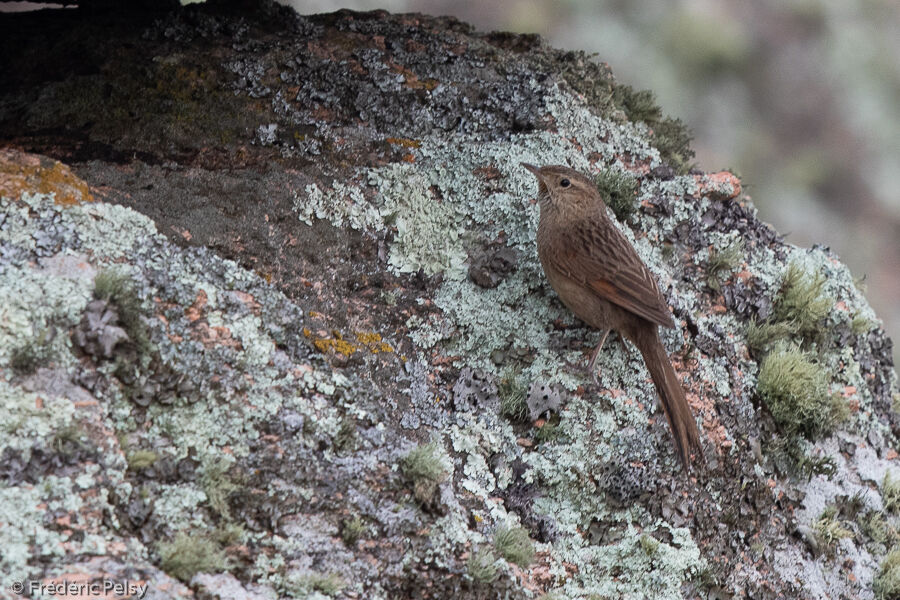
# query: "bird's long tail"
[[675, 405]]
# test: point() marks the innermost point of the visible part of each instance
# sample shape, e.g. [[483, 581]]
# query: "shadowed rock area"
[[274, 325]]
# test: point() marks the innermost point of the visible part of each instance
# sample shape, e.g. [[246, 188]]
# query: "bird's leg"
[[592, 366]]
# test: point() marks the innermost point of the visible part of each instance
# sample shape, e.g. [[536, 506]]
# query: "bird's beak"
[[534, 170]]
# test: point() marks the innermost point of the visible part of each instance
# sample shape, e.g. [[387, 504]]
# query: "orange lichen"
[[22, 172], [405, 142]]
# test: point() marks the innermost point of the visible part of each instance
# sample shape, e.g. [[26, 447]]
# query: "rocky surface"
[[275, 327]]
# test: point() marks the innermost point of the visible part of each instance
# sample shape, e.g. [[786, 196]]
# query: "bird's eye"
[[564, 183]]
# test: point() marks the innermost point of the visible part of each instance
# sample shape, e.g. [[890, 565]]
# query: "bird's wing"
[[597, 256]]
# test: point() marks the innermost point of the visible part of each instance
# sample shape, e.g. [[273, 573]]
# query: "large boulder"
[[275, 327]]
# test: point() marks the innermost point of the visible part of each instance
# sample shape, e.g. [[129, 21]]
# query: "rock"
[[332, 246]]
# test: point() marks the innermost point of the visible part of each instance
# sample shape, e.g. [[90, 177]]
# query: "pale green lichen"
[[341, 204], [27, 417]]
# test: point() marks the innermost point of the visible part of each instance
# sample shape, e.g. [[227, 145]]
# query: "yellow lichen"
[[373, 341], [368, 337], [339, 346]]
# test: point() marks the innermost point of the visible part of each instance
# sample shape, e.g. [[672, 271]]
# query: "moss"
[[118, 289], [873, 524], [190, 554], [802, 303], [512, 394], [68, 441], [141, 459], [860, 324], [424, 469], [329, 584], [228, 534], [482, 566], [218, 485], [25, 359], [619, 191], [673, 140], [829, 530], [890, 493], [345, 438], [722, 261], [638, 105], [805, 466], [649, 544], [352, 530], [795, 390], [761, 337], [887, 583], [513, 544], [549, 432]]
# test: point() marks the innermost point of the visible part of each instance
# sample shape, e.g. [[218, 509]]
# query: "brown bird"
[[599, 277]]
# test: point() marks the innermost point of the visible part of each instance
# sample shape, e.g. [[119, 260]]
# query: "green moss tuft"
[[670, 136], [801, 302], [513, 544], [141, 459], [890, 493], [761, 337], [795, 391], [189, 554], [118, 289], [873, 524], [829, 531], [619, 190], [887, 583], [673, 140], [861, 325], [482, 566], [345, 439], [638, 105], [512, 398], [352, 530], [549, 432], [228, 534], [329, 584], [723, 261], [649, 544], [789, 455], [424, 469], [25, 359], [218, 485]]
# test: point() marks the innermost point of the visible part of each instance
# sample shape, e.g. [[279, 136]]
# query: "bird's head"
[[563, 188]]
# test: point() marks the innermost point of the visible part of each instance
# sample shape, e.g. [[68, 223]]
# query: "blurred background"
[[800, 97]]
